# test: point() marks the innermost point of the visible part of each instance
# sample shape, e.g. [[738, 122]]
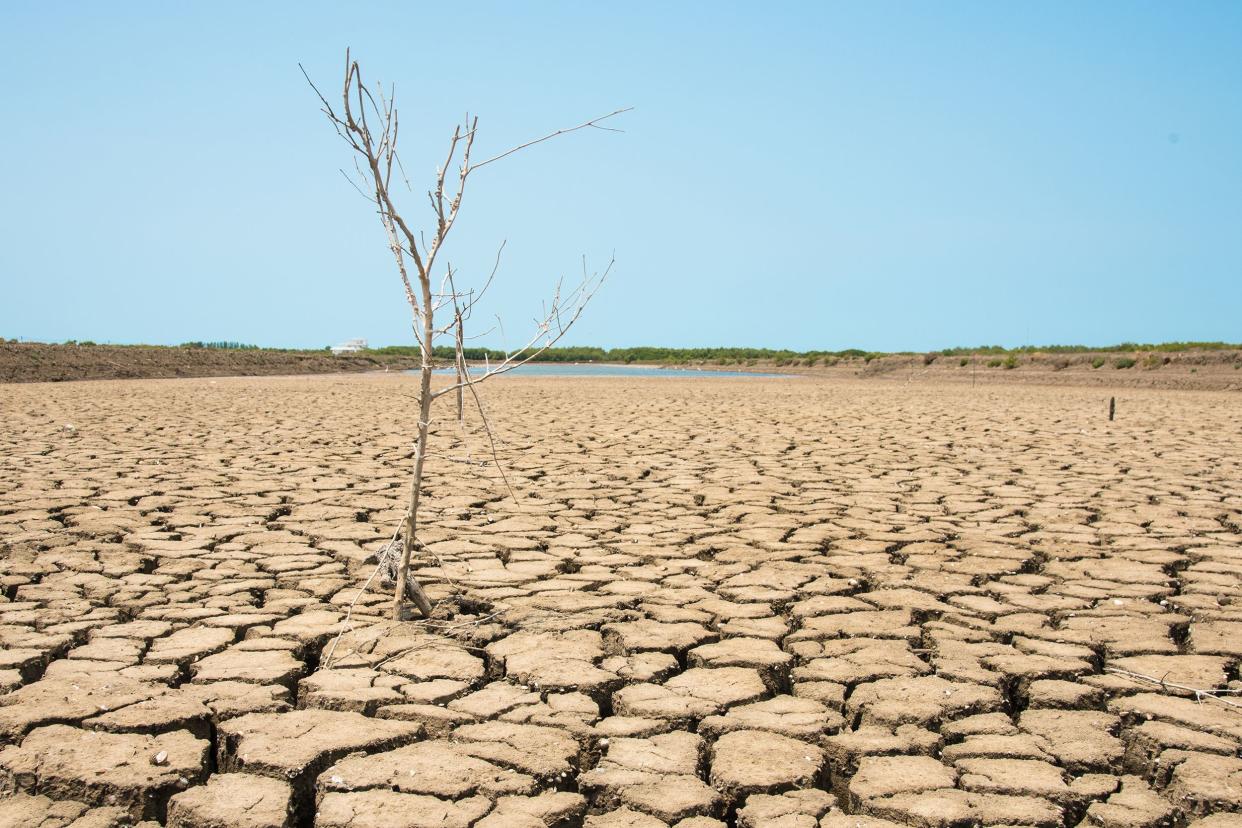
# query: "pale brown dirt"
[[786, 603]]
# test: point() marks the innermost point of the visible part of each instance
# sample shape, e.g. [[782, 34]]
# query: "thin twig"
[[349, 613], [551, 135], [544, 337], [1198, 692]]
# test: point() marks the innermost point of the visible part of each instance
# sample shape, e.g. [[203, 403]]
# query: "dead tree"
[[367, 121]]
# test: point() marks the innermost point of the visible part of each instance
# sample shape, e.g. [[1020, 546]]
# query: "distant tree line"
[[222, 346], [1124, 347]]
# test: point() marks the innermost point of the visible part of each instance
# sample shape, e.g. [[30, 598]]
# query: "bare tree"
[[367, 121]]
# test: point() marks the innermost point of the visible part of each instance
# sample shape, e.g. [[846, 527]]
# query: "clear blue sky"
[[803, 175]]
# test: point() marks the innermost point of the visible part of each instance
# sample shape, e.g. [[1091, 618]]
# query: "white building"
[[351, 346]]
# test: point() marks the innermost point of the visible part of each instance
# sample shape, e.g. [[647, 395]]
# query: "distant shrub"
[[1124, 362], [1097, 362], [995, 363], [963, 362], [1011, 362], [928, 359], [223, 346], [976, 351]]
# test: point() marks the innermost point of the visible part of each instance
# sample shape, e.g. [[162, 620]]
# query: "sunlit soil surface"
[[789, 602]]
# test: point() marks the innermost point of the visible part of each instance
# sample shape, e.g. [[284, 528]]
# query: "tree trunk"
[[406, 584]]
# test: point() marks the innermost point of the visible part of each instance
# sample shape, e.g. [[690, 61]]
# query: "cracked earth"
[[788, 603]]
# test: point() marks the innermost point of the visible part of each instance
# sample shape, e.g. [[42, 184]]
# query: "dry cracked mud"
[[790, 603]]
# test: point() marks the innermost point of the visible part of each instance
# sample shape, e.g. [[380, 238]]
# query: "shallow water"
[[590, 369]]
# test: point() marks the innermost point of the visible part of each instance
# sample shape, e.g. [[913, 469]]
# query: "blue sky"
[[887, 176]]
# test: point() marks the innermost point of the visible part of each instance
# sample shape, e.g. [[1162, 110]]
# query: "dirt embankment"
[[1192, 369], [38, 362]]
